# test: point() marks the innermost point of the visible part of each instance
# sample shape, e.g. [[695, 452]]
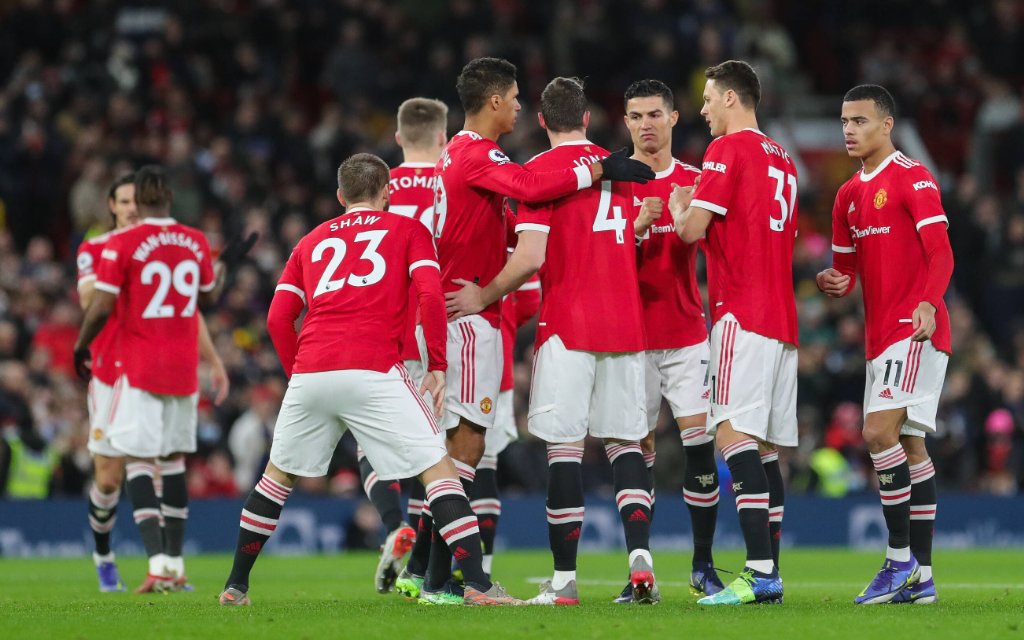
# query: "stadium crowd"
[[251, 106]]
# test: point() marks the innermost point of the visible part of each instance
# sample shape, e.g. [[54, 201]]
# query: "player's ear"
[[398, 138], [673, 118], [540, 121], [888, 124], [341, 198], [496, 102], [586, 119]]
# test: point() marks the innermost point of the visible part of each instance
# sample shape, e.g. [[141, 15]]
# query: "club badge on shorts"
[[486, 405], [97, 434]]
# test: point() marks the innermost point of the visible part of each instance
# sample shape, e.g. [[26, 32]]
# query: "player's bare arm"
[[218, 374], [525, 261], [100, 308], [434, 382], [691, 222], [85, 290], [650, 211]]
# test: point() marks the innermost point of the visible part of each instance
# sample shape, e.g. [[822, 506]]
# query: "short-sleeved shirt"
[[474, 177], [105, 366], [157, 269], [591, 291], [354, 275], [749, 182], [673, 310], [412, 195], [879, 216]]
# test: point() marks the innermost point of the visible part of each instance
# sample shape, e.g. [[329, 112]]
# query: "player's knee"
[[879, 436], [108, 485]]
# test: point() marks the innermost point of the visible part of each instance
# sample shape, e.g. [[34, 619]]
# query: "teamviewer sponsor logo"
[[870, 231]]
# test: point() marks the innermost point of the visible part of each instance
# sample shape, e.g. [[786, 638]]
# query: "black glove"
[[236, 249], [618, 166], [82, 364]]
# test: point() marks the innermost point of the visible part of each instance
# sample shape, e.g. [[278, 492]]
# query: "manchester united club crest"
[[486, 405], [97, 434], [881, 198]]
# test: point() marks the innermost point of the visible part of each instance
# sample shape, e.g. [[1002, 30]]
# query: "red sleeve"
[[844, 252], [716, 187], [289, 300], [510, 226], [426, 277], [491, 169], [533, 218], [940, 262], [922, 198], [284, 311], [527, 300], [206, 276], [86, 261], [113, 266]]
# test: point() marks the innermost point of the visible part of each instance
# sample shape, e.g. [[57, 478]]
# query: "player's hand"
[[924, 322], [619, 166], [832, 283], [650, 211], [433, 382], [219, 382], [464, 302], [680, 200], [237, 249], [83, 363]]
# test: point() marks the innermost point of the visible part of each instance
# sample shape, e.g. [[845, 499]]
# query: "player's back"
[[749, 182], [469, 222], [411, 194], [104, 362], [354, 272], [591, 296], [157, 268]]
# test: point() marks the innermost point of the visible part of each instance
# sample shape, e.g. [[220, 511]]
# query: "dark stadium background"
[[252, 104]]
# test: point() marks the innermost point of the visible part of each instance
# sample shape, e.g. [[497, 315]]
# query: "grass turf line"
[[981, 596]]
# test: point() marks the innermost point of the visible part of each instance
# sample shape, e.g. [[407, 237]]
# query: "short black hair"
[[738, 76], [128, 178], [648, 88], [362, 177], [563, 104], [482, 78], [878, 94], [151, 188]]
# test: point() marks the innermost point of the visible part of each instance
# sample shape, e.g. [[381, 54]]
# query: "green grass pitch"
[[981, 597]]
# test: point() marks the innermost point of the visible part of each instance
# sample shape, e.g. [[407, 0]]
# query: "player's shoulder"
[[678, 166], [558, 157], [912, 173]]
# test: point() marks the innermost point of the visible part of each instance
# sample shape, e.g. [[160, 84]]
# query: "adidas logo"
[[252, 549], [460, 554], [573, 535], [395, 486], [886, 394], [638, 515], [487, 523], [707, 394], [637, 202], [851, 209]]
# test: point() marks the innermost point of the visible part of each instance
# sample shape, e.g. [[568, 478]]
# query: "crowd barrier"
[[317, 525]]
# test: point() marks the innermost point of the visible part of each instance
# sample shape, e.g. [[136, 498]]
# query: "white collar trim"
[[866, 177]]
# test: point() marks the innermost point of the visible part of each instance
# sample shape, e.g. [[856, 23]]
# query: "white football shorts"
[[474, 372], [681, 377], [504, 430], [579, 392], [390, 421], [753, 383], [147, 425], [100, 395], [907, 374]]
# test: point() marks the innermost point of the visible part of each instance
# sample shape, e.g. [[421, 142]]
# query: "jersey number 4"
[[609, 218], [786, 208], [337, 247]]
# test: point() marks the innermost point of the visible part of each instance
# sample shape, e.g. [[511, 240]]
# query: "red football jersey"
[[591, 292], [157, 269], [749, 182], [105, 366], [517, 307], [473, 179], [878, 216], [673, 309], [354, 274], [412, 196]]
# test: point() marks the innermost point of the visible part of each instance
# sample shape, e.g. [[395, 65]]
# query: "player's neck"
[[566, 136], [485, 127], [742, 120], [428, 156], [871, 161], [361, 206], [657, 161]]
